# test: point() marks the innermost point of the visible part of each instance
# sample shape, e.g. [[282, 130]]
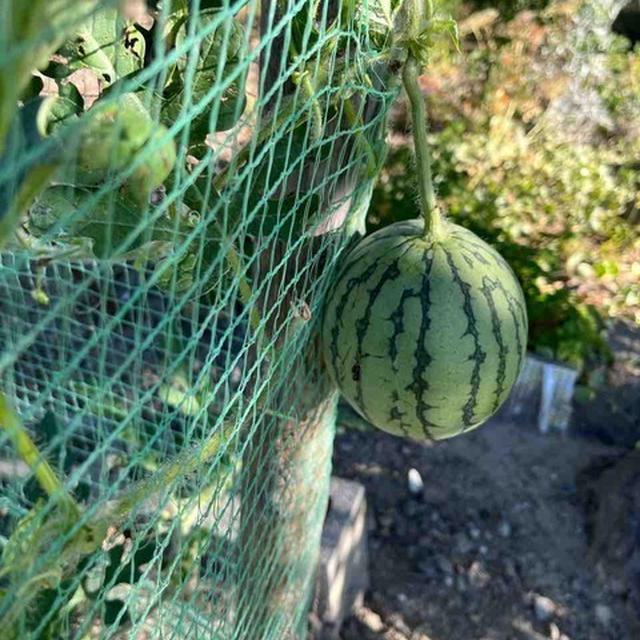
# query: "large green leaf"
[[378, 15], [29, 33], [221, 46], [63, 212], [112, 224], [107, 44]]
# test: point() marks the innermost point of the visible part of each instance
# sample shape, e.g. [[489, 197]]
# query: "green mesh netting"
[[177, 182]]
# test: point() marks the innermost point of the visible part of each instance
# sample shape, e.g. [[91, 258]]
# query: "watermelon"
[[424, 334]]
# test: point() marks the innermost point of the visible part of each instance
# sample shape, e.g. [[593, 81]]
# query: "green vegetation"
[[126, 179], [558, 202], [560, 206]]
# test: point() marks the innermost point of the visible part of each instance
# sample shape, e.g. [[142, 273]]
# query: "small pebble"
[[544, 608], [414, 480], [554, 631], [504, 529], [478, 575], [483, 549], [371, 620], [448, 580], [474, 532], [444, 564], [511, 570], [604, 615]]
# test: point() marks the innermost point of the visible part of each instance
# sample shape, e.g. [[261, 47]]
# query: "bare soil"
[[516, 534]]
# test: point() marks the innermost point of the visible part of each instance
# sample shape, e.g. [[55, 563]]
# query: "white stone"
[[371, 620], [544, 608], [414, 480]]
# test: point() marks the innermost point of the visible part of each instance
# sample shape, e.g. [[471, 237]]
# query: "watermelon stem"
[[430, 212]]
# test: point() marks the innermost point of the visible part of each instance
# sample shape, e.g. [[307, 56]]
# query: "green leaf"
[[108, 221], [67, 105], [378, 15], [449, 26], [69, 214], [25, 46], [226, 43], [107, 44]]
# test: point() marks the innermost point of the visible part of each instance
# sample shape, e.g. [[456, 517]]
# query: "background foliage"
[[551, 183]]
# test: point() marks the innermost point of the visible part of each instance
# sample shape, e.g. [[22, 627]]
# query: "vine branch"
[[430, 212]]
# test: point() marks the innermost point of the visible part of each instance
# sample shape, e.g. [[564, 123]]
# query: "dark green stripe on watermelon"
[[488, 287], [419, 386], [397, 318], [517, 322], [478, 356], [362, 324], [351, 284]]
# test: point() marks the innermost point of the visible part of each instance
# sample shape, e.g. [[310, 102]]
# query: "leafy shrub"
[[531, 222], [562, 212], [509, 8]]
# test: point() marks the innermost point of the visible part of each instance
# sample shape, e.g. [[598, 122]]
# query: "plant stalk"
[[430, 213], [29, 452]]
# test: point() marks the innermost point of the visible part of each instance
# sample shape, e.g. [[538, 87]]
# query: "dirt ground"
[[516, 535]]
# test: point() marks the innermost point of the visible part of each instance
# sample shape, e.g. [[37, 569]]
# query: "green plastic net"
[[177, 182]]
